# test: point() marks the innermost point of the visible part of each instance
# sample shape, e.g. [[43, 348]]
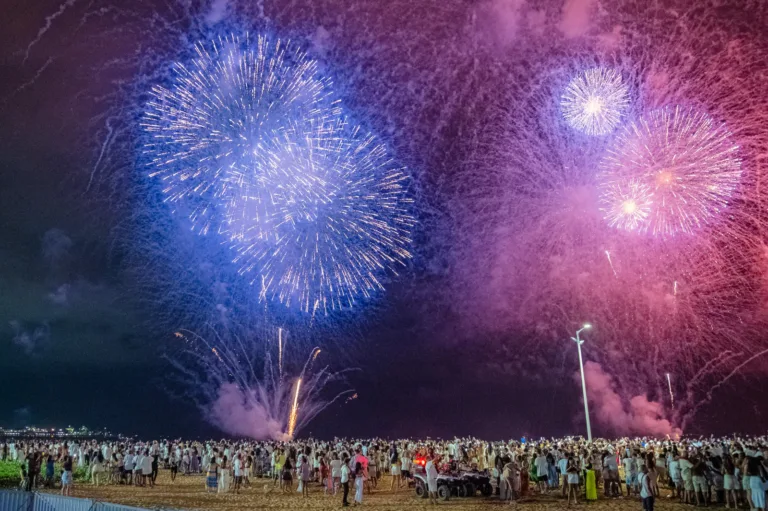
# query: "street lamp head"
[[587, 326]]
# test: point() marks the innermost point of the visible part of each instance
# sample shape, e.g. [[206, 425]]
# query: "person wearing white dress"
[[757, 481], [299, 463], [97, 467], [431, 471], [224, 477], [394, 458], [359, 482], [335, 472]]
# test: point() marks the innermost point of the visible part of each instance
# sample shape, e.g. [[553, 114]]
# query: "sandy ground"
[[189, 493]]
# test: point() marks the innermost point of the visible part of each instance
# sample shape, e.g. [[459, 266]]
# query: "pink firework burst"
[[687, 161], [627, 205]]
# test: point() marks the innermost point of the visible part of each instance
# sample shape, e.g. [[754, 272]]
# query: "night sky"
[[82, 343]]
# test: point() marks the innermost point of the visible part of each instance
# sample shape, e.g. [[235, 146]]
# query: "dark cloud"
[[22, 417], [30, 339], [50, 311], [56, 247]]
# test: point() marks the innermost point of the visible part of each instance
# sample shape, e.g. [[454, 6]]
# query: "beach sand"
[[188, 492]]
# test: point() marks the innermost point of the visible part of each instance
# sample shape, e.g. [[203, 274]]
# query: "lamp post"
[[579, 342]]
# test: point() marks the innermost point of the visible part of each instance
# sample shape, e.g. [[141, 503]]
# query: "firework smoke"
[[232, 394], [640, 417]]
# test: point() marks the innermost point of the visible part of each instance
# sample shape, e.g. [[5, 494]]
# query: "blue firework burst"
[[250, 143], [339, 217]]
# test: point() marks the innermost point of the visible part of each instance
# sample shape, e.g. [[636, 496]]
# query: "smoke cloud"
[[218, 11], [639, 417], [577, 17], [507, 19], [239, 414]]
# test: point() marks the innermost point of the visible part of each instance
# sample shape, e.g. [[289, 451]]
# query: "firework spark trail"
[[608, 255], [249, 142], [234, 396], [294, 410], [671, 395], [49, 20]]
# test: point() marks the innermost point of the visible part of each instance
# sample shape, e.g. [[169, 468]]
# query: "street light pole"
[[579, 342]]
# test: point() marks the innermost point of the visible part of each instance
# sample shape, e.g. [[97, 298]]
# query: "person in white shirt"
[[686, 471], [335, 472], [676, 476], [562, 464], [237, 469], [612, 483], [405, 467], [128, 467], [97, 467], [137, 460], [305, 474], [630, 473], [573, 480], [646, 491], [146, 468]]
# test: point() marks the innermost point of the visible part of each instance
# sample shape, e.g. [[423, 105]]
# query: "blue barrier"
[[15, 500]]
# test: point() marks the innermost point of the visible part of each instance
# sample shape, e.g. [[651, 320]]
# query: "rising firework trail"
[[608, 255], [294, 410], [671, 395]]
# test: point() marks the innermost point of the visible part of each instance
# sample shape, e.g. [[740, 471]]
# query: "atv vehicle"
[[475, 481], [464, 484], [447, 486]]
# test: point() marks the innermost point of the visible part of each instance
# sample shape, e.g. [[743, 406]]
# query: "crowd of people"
[[727, 471]]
